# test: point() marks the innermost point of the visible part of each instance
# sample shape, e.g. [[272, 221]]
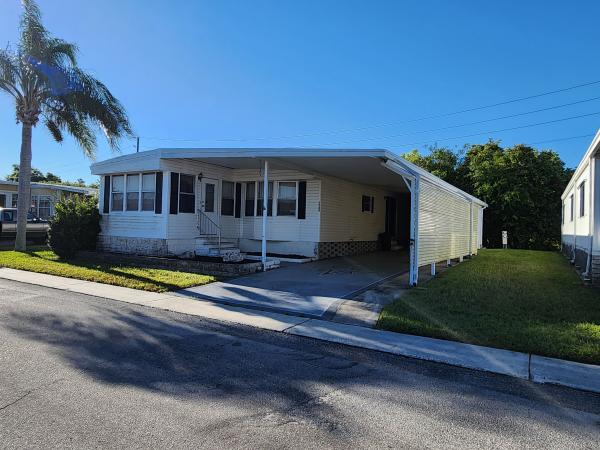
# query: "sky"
[[324, 73]]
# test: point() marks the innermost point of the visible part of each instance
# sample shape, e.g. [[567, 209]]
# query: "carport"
[[313, 289]]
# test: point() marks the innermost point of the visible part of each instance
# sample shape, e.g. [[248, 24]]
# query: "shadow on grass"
[[114, 270]]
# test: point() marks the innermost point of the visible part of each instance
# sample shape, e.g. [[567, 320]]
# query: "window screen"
[[250, 197], [187, 199], [286, 198], [133, 192], [148, 191], [118, 188], [227, 199], [259, 199]]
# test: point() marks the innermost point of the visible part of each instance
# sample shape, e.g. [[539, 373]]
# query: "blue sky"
[[324, 73]]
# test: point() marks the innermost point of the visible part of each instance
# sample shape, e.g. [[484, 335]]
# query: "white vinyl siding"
[[342, 218], [444, 225]]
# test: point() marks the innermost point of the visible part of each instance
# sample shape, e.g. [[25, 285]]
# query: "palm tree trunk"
[[24, 199]]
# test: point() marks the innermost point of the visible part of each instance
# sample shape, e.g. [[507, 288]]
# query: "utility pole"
[[137, 146]]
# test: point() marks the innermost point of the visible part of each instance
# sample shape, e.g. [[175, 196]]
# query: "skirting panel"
[[346, 248]]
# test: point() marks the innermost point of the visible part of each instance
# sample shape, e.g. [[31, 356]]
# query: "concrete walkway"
[[314, 290], [521, 365]]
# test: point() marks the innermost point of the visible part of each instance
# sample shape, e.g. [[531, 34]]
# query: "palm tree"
[[42, 76]]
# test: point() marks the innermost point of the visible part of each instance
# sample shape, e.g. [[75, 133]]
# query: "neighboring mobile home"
[[318, 203], [580, 229], [43, 196]]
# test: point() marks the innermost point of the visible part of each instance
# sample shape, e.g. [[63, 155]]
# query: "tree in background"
[[521, 185], [42, 77], [37, 176]]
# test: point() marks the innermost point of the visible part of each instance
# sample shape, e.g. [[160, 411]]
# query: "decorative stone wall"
[[133, 246], [596, 270], [346, 248]]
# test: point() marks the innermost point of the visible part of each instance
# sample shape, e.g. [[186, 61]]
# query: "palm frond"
[[61, 52], [9, 74], [34, 36], [54, 130]]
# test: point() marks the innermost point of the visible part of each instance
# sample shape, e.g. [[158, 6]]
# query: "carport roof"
[[365, 166]]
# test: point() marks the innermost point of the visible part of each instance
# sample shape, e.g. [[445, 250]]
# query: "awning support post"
[[264, 216]]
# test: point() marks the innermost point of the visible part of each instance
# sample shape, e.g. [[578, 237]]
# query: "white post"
[[433, 269], [264, 217], [448, 263], [460, 259]]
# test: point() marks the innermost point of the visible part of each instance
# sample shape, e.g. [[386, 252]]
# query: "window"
[[582, 199], [187, 199], [15, 200], [8, 216], [368, 204], [259, 199], [571, 207], [227, 199], [148, 191], [2, 200], [133, 192], [44, 207], [286, 198], [209, 197], [118, 188], [250, 197]]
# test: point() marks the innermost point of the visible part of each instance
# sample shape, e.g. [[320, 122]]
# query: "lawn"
[[520, 300], [87, 268]]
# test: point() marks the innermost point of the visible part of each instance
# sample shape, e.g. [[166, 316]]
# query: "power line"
[[348, 130], [564, 139], [377, 138], [520, 127]]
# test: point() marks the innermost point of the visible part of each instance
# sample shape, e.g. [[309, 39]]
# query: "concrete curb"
[[520, 365]]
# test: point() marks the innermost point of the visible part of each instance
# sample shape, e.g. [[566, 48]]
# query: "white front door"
[[209, 198]]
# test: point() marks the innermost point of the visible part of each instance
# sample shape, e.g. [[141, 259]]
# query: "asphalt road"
[[83, 372]]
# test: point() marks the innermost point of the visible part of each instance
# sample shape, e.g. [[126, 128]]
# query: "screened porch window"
[[133, 192], [227, 199], [187, 199], [118, 189], [250, 198], [286, 198], [259, 199], [148, 191]]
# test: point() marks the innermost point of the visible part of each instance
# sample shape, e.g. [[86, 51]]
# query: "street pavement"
[[82, 372]]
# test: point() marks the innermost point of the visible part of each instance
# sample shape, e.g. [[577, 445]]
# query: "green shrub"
[[75, 226]]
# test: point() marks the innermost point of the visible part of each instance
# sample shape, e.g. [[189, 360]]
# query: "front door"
[[209, 190]]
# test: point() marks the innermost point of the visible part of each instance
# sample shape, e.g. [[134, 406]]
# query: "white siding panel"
[[577, 231], [444, 224], [142, 225]]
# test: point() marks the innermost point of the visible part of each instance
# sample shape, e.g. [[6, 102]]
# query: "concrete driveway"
[[313, 289]]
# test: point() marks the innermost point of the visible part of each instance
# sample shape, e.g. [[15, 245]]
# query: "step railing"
[[207, 227]]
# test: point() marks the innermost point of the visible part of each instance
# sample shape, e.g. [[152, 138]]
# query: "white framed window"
[[117, 192], [571, 207], [250, 199], [187, 196], [148, 191], [287, 198], [227, 198], [14, 200], [259, 199], [133, 192], [368, 204], [582, 199]]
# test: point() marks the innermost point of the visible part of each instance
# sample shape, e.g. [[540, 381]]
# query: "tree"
[[440, 161], [42, 76]]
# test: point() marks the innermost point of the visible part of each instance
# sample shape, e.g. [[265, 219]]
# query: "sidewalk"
[[521, 365]]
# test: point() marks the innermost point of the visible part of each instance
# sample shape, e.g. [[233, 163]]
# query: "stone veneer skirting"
[[345, 248], [133, 246]]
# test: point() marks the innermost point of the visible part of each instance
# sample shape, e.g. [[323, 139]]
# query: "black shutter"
[[173, 201], [106, 206], [158, 193], [238, 199], [302, 200], [372, 205]]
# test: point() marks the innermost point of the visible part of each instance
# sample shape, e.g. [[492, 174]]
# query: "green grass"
[[520, 300], [99, 270]]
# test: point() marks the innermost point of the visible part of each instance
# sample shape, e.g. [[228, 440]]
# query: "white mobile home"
[[318, 203], [43, 196], [580, 229]]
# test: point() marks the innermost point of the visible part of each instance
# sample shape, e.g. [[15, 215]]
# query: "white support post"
[[433, 269], [460, 259], [264, 216], [448, 263]]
